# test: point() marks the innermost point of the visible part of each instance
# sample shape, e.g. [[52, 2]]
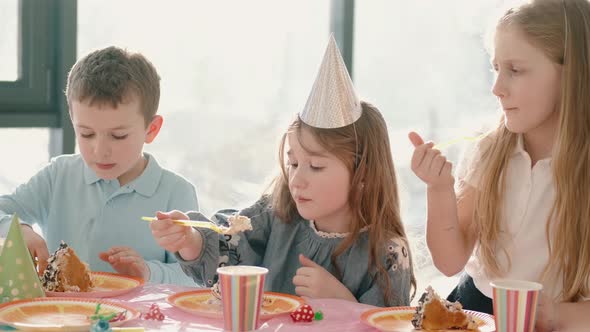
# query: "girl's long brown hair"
[[374, 200], [561, 29]]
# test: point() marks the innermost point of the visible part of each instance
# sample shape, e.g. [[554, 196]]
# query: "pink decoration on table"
[[119, 317], [303, 314], [306, 314], [154, 313]]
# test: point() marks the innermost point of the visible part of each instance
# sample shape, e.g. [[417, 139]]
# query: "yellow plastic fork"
[[457, 140], [200, 224]]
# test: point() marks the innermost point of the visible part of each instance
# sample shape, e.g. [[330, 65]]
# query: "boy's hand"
[[37, 247], [176, 238], [126, 261], [430, 165], [314, 281]]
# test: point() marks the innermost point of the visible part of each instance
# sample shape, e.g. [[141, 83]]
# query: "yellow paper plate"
[[105, 285], [200, 302], [399, 319], [59, 314]]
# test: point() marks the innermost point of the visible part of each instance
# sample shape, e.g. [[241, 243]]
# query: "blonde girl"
[[522, 210]]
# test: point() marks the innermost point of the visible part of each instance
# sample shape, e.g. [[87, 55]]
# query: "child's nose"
[[499, 87], [298, 179], [102, 148]]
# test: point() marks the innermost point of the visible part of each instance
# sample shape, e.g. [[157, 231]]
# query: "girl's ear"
[[154, 128]]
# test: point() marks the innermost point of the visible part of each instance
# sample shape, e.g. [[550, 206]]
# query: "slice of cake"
[[65, 272], [434, 313], [238, 224]]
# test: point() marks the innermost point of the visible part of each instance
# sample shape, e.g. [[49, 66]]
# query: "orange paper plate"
[[200, 302], [59, 314], [105, 285], [399, 319]]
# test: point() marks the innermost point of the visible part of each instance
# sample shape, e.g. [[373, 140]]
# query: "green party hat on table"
[[18, 277]]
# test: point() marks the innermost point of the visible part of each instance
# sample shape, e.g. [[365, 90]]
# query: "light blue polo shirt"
[[70, 202]]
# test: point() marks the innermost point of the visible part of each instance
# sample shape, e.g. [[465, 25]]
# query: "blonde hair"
[[373, 197], [110, 75], [546, 24]]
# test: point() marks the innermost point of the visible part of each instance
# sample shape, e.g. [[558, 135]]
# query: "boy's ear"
[[154, 128]]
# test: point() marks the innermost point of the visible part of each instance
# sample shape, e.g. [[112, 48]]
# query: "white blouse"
[[528, 198]]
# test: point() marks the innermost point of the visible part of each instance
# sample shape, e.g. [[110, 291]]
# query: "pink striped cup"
[[241, 289], [515, 305]]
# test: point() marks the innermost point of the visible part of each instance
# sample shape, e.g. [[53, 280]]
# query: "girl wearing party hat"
[[522, 207], [330, 226]]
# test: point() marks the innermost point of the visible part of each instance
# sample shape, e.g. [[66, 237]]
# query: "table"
[[339, 315]]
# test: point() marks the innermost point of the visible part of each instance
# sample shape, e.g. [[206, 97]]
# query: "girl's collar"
[[327, 235], [519, 149]]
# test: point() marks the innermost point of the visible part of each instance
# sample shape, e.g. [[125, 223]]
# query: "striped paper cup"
[[241, 289], [515, 305]]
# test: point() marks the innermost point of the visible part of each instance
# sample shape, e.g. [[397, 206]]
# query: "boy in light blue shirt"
[[94, 200]]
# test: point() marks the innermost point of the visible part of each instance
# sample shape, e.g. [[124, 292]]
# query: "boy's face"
[[319, 183], [111, 139]]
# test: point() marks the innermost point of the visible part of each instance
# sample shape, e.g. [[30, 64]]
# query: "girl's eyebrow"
[[311, 153], [318, 154], [509, 60]]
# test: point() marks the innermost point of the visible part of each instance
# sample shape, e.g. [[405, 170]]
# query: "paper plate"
[[201, 302], [399, 319], [105, 285], [59, 314]]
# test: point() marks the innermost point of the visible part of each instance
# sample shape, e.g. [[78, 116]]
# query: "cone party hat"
[[333, 102], [18, 277]]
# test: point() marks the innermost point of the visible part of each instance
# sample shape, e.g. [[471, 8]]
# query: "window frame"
[[46, 51], [342, 26], [30, 92], [36, 98]]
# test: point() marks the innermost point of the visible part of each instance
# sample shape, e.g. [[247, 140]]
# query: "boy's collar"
[[89, 176], [145, 184]]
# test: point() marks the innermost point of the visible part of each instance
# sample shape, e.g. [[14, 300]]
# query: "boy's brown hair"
[[111, 75]]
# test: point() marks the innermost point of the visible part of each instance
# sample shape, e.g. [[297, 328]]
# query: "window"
[[233, 76], [35, 37], [8, 40], [423, 64], [18, 167], [30, 95]]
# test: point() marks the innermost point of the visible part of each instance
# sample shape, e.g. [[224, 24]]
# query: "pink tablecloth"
[[339, 315]]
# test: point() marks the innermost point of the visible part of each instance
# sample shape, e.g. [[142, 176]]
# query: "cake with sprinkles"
[[238, 224], [435, 313], [65, 272]]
